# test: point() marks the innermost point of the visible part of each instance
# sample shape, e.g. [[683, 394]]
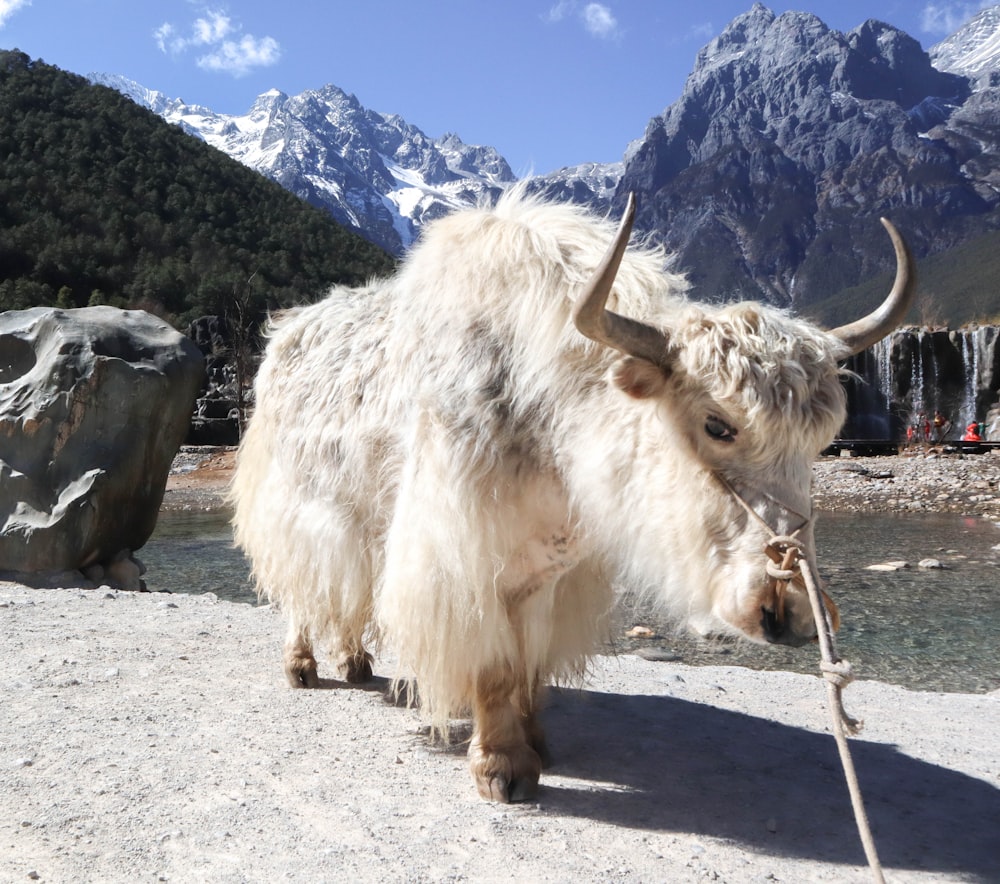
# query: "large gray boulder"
[[94, 404]]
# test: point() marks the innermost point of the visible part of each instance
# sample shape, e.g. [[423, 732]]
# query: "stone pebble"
[[917, 480]]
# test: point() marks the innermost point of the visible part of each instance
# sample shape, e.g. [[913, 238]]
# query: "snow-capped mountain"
[[765, 178], [373, 172], [590, 184], [973, 50]]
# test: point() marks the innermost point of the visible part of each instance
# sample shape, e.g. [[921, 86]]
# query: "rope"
[[837, 673], [788, 551], [784, 566]]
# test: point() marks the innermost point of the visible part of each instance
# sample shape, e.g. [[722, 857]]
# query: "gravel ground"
[[198, 478], [151, 737], [921, 479]]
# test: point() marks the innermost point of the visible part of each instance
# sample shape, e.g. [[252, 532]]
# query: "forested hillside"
[[102, 202], [955, 288]]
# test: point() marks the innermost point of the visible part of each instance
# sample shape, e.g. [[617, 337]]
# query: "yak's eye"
[[719, 430]]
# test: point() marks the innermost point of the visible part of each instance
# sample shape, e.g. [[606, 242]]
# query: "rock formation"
[[766, 178], [218, 408], [94, 404]]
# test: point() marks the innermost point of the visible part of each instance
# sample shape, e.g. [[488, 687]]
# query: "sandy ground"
[[151, 737]]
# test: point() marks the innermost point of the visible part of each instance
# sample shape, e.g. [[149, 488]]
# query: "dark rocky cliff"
[[768, 175]]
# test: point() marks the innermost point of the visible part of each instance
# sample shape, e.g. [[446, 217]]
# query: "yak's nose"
[[797, 626], [779, 631]]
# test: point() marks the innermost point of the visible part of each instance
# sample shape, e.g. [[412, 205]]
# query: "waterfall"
[[917, 405], [954, 373], [883, 368], [970, 360]]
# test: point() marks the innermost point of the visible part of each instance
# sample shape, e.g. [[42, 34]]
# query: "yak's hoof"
[[507, 776], [355, 668], [498, 789], [302, 673]]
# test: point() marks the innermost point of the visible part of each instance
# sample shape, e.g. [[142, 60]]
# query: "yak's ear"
[[638, 378]]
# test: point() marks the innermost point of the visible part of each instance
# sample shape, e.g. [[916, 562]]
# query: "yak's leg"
[[508, 746], [353, 663], [533, 732], [300, 663], [503, 765]]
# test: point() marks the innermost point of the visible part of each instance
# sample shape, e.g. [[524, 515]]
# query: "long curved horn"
[[599, 324], [862, 333]]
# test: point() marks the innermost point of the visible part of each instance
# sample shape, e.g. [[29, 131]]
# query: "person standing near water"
[[941, 426]]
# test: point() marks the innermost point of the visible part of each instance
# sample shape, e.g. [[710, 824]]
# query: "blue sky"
[[549, 83]]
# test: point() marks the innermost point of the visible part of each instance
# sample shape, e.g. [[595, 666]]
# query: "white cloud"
[[560, 10], [232, 51], [946, 18], [238, 57], [598, 19], [213, 29], [167, 39], [9, 7]]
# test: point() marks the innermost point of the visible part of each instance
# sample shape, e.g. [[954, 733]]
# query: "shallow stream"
[[924, 629]]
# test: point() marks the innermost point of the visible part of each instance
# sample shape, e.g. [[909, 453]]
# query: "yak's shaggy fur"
[[442, 462]]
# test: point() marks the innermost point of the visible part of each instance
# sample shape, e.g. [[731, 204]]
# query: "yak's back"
[[515, 269], [474, 329]]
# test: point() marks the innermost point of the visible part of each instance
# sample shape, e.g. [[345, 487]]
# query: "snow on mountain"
[[973, 50], [373, 172], [590, 184], [785, 127]]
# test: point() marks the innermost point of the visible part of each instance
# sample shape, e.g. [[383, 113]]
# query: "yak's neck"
[[617, 462]]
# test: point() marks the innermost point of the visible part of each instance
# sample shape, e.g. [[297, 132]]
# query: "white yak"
[[461, 460]]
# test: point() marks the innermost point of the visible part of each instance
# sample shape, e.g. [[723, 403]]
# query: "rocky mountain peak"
[[267, 106], [886, 63], [334, 95], [765, 178], [786, 132], [771, 63], [973, 50], [739, 36]]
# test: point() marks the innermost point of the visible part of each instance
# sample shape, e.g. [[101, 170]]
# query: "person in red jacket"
[[972, 433]]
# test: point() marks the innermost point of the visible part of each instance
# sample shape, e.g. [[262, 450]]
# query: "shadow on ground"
[[673, 765]]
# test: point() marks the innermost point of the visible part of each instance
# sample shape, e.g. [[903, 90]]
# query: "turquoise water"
[[923, 629], [192, 551]]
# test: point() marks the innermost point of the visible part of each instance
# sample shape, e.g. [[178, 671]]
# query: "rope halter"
[[786, 554]]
